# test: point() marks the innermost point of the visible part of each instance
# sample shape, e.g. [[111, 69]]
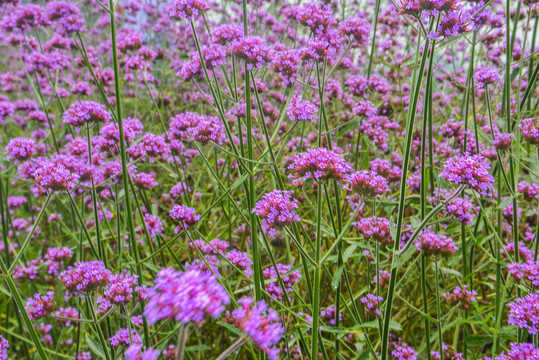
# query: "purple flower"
[[357, 28], [301, 110], [367, 184], [55, 177], [319, 164], [224, 34], [287, 63], [253, 50], [276, 209], [188, 296], [524, 312], [85, 277], [40, 305], [23, 18], [187, 216], [522, 351], [4, 345], [20, 149], [85, 112], [68, 312], [144, 181], [119, 290], [460, 296], [288, 277], [260, 323], [435, 245], [472, 171], [136, 352], [375, 229], [123, 338], [186, 9], [371, 303], [66, 15], [530, 130], [485, 76]]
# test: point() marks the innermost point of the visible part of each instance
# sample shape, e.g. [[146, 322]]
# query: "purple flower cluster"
[[123, 338], [460, 296], [530, 130], [85, 277], [261, 323], [190, 126], [187, 9], [435, 245], [472, 171], [367, 184], [528, 271], [40, 305], [4, 345], [185, 215], [119, 290], [371, 303], [188, 296], [253, 50], [20, 149], [276, 209], [375, 229], [86, 112], [301, 110], [288, 277], [319, 164], [55, 177], [485, 76], [524, 312], [136, 352], [522, 351]]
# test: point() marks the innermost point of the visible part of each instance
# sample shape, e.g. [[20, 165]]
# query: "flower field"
[[254, 179]]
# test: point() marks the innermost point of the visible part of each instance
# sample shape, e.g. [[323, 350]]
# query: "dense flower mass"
[[189, 296], [319, 164], [277, 209], [85, 113], [260, 323], [472, 171], [276, 179]]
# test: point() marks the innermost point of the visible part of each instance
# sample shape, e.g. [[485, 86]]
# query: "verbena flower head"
[[288, 277], [40, 305], [530, 191], [367, 184], [524, 312], [81, 113], [502, 141], [4, 345], [20, 149], [276, 209], [187, 216], [287, 63], [137, 352], [365, 108], [522, 351], [485, 76], [253, 50], [224, 34], [315, 15], [472, 171], [357, 28], [530, 130], [123, 338], [189, 296], [403, 351], [460, 296], [261, 323], [55, 177], [187, 9], [85, 277], [23, 18], [319, 164], [66, 15], [119, 290], [435, 245], [301, 110], [451, 25], [375, 229], [371, 303]]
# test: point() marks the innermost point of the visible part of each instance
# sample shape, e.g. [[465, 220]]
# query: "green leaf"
[[337, 277], [96, 348]]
